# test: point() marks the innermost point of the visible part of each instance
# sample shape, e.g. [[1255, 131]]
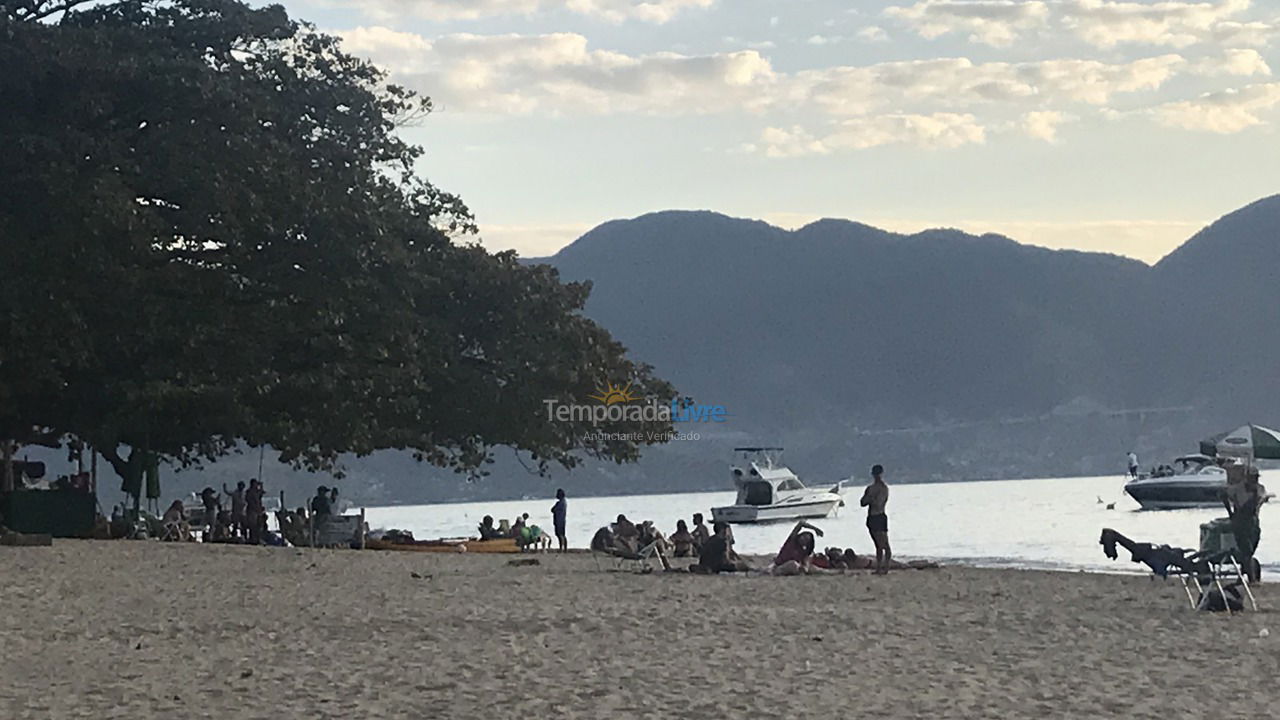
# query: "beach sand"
[[153, 630]]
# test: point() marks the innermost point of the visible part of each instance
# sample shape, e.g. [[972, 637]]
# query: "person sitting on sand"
[[700, 532], [682, 541], [797, 551], [223, 531], [531, 536], [603, 540], [650, 535], [626, 534], [175, 522], [717, 554], [487, 529]]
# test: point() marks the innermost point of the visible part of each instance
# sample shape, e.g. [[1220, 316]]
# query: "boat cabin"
[[763, 478]]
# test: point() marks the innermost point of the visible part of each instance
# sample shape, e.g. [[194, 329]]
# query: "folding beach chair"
[[1206, 577], [636, 561], [1201, 572]]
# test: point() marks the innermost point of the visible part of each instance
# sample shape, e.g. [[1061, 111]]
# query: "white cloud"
[[1241, 63], [558, 73], [959, 82], [926, 103], [1043, 124], [1224, 111], [822, 40], [1101, 23], [992, 22], [655, 11], [1245, 34], [1107, 23], [938, 130], [873, 33]]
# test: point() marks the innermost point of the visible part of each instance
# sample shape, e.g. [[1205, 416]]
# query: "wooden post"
[[360, 530]]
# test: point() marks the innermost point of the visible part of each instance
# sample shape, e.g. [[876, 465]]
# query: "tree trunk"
[[6, 483]]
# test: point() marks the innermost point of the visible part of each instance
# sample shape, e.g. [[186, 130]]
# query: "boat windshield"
[[790, 484]]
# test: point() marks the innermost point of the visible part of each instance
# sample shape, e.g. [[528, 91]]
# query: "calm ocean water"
[[1050, 523]]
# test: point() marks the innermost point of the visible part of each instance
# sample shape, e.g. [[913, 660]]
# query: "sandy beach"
[[152, 630]]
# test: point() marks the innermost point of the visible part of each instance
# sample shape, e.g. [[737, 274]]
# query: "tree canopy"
[[211, 234]]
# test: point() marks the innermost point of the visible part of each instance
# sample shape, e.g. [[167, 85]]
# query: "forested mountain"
[[943, 355]]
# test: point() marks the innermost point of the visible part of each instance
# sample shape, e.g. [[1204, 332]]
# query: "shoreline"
[[156, 630]]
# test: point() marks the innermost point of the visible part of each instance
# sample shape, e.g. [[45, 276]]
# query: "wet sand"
[[154, 630]]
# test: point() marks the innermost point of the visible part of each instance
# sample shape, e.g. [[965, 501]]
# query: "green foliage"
[[211, 234]]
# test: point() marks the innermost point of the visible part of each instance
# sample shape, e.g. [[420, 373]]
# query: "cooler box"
[[1216, 536]]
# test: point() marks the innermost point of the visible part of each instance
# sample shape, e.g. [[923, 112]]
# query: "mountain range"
[[942, 354]]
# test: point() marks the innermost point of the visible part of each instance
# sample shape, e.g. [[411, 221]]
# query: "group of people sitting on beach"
[[713, 548], [527, 535]]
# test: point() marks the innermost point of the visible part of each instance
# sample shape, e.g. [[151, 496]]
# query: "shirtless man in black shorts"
[[874, 500]]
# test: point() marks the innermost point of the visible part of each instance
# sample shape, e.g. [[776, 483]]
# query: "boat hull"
[[1152, 494], [774, 513]]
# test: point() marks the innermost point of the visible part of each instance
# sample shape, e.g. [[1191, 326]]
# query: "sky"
[[1106, 125]]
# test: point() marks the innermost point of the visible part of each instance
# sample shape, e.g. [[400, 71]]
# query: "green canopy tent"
[[1248, 441]]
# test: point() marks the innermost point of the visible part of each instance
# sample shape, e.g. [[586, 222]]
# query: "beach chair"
[[1201, 572], [637, 561], [1218, 572]]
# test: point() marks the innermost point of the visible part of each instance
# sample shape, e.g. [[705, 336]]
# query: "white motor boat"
[[768, 491], [1196, 481]]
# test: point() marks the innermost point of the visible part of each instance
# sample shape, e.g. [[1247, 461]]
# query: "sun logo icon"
[[611, 394]]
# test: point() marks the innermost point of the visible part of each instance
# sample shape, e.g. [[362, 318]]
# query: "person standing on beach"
[[255, 510], [238, 518], [559, 512], [874, 499], [1133, 464]]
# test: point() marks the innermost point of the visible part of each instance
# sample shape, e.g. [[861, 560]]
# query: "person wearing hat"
[[874, 500], [1243, 499]]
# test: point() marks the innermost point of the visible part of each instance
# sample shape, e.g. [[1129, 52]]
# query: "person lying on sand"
[[717, 554], [797, 551]]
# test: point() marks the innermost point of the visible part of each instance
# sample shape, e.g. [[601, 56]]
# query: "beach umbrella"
[[1253, 441]]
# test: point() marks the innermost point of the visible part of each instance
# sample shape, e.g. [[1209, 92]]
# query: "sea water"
[[1051, 523]]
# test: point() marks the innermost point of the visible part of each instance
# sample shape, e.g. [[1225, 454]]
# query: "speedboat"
[[769, 491], [1195, 481]]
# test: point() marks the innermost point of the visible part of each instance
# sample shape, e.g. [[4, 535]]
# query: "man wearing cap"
[[874, 500]]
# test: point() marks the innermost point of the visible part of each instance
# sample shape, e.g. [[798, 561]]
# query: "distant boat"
[[769, 491], [1196, 481]]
